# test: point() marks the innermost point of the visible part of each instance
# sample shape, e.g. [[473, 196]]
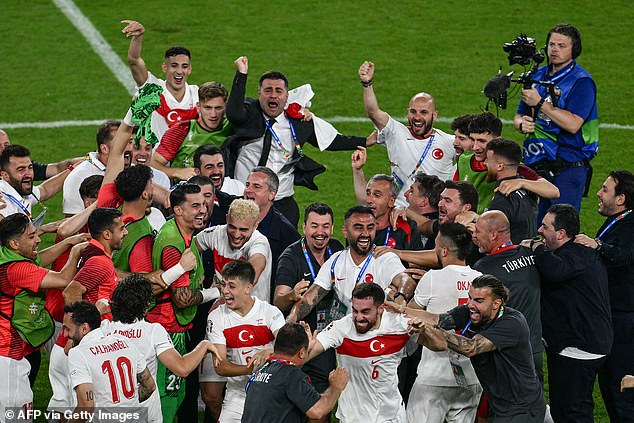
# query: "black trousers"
[[620, 362], [289, 208], [570, 383]]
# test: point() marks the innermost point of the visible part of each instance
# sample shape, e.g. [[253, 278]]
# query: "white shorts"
[[206, 371], [232, 407], [15, 389], [63, 395], [452, 404]]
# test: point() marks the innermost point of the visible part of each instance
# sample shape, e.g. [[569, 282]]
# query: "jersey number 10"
[[124, 380]]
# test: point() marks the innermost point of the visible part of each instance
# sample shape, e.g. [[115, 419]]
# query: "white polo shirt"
[[12, 198], [71, 201]]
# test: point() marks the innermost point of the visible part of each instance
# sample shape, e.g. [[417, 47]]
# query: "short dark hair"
[[624, 186], [12, 150], [90, 186], [273, 181], [485, 123], [84, 312], [321, 209], [200, 180], [566, 218], [394, 189], [179, 194], [466, 191], [177, 50], [431, 187], [210, 90], [358, 210], [239, 269], [507, 149], [104, 133], [290, 339], [130, 299], [131, 181], [497, 287], [209, 150], [273, 75], [569, 31], [458, 236], [369, 289], [102, 219], [461, 123], [12, 227]]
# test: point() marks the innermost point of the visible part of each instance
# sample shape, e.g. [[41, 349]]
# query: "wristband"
[[172, 274], [367, 84], [210, 294], [540, 104], [104, 302], [399, 294]]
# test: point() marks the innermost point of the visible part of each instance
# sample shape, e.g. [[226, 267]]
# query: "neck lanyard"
[[366, 263], [387, 235], [307, 257], [264, 366], [39, 219], [18, 203], [468, 325], [422, 157], [619, 217], [287, 153], [89, 159], [564, 73]]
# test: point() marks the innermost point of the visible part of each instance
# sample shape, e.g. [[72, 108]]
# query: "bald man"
[[515, 265], [418, 147]]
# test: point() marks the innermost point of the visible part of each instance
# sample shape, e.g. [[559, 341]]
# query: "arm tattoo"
[[310, 301], [465, 346], [185, 297], [143, 378]]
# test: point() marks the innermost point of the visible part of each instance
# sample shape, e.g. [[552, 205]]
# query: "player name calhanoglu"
[[104, 349], [130, 333]]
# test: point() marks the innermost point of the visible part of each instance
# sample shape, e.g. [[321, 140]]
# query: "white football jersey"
[[438, 292], [244, 336], [404, 150], [151, 339], [111, 364], [347, 274], [371, 360], [216, 239]]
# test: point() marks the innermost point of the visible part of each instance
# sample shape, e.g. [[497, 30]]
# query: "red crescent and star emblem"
[[437, 153], [369, 278]]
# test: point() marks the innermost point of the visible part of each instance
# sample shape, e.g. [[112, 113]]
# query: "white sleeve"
[[390, 267], [206, 238], [71, 200], [323, 276], [258, 245], [78, 369], [217, 328], [332, 336], [141, 364], [161, 341], [387, 132], [422, 294], [276, 318]]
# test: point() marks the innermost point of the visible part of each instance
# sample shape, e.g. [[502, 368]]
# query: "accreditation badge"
[[456, 367]]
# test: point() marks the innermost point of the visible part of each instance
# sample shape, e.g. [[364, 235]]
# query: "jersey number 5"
[[125, 382]]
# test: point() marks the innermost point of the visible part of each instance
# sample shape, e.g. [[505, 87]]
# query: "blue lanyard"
[[366, 263], [422, 157], [619, 217], [279, 142], [264, 366], [387, 235], [468, 325], [563, 74], [308, 260], [17, 203]]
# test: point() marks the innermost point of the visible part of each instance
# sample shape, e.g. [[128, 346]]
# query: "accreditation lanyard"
[[287, 153], [39, 219], [307, 257], [387, 235], [619, 217], [422, 157], [264, 366], [563, 74], [366, 263], [89, 160]]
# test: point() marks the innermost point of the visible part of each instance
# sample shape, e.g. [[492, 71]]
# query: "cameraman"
[[561, 124]]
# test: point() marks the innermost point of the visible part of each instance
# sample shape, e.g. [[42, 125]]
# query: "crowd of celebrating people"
[[178, 273]]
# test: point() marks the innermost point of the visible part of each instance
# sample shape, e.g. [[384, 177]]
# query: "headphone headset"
[[569, 31]]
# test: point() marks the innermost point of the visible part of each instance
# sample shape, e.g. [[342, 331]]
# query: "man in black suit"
[[266, 135]]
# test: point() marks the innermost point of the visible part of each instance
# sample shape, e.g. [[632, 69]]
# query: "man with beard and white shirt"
[[243, 330], [16, 187], [439, 394], [413, 148], [209, 161], [370, 343], [356, 264], [142, 155], [129, 303]]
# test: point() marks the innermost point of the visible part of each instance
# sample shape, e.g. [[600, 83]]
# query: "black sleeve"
[[456, 318], [39, 171], [506, 332], [560, 266], [299, 391], [501, 204], [237, 110], [288, 269], [415, 242], [621, 254], [343, 142]]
